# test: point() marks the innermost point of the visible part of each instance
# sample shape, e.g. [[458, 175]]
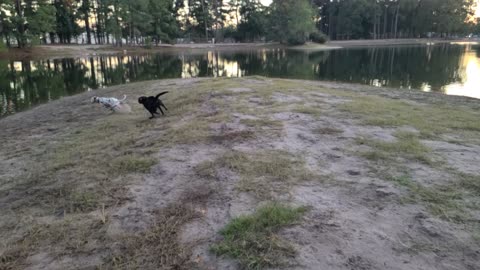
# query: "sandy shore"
[[56, 51], [61, 51], [387, 179]]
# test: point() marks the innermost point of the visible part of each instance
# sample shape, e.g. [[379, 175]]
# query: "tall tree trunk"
[[7, 40], [385, 21], [98, 28], [330, 24], [130, 25], [118, 31], [86, 9], [21, 26], [205, 18], [396, 21], [237, 11]]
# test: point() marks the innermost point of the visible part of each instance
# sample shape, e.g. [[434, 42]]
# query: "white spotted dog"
[[110, 102]]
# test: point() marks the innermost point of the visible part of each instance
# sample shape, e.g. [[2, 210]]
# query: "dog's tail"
[[162, 93], [124, 98]]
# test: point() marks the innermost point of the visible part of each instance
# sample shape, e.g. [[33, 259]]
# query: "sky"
[[478, 8], [266, 2]]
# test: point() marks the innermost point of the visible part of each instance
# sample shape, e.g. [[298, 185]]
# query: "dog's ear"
[[93, 99]]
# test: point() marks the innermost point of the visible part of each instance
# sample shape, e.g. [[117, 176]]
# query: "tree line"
[[149, 22], [355, 19]]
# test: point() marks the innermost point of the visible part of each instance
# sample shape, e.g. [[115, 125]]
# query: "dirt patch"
[[390, 186]]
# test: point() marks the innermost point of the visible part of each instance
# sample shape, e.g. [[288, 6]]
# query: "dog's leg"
[[161, 109], [163, 105]]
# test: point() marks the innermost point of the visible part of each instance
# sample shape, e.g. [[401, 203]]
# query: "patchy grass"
[[264, 127], [430, 120], [65, 237], [470, 183], [233, 137], [156, 248], [308, 109], [188, 132], [327, 131], [445, 201], [84, 201], [132, 164], [68, 184], [261, 123], [406, 146], [253, 239], [264, 173]]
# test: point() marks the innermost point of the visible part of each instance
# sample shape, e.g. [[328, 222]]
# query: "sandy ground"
[[60, 51], [394, 42], [390, 177]]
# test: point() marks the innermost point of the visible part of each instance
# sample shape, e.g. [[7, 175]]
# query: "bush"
[[296, 40], [3, 47], [148, 42], [318, 37]]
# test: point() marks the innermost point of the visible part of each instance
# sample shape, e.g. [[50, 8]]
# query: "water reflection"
[[469, 70], [453, 69]]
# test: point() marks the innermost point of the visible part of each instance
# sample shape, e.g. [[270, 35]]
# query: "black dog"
[[152, 103]]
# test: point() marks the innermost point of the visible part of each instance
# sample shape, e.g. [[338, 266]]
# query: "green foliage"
[[353, 19], [3, 47], [148, 42], [252, 239], [43, 20], [291, 21], [287, 21], [318, 37], [254, 21], [163, 25], [66, 26]]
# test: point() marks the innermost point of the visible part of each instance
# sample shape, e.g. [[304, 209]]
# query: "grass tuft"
[[327, 131], [157, 247], [444, 201], [264, 173], [263, 122], [132, 164], [252, 239], [406, 146], [307, 110]]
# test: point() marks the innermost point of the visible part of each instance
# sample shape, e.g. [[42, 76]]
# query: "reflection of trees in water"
[[397, 67], [27, 83], [24, 84]]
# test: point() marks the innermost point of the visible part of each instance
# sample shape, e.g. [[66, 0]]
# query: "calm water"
[[449, 68]]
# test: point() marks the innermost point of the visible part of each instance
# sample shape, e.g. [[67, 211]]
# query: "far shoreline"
[[83, 50]]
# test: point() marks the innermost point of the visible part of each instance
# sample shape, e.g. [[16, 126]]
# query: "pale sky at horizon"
[[266, 2]]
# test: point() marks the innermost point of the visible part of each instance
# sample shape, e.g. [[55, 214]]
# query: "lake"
[[453, 69]]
